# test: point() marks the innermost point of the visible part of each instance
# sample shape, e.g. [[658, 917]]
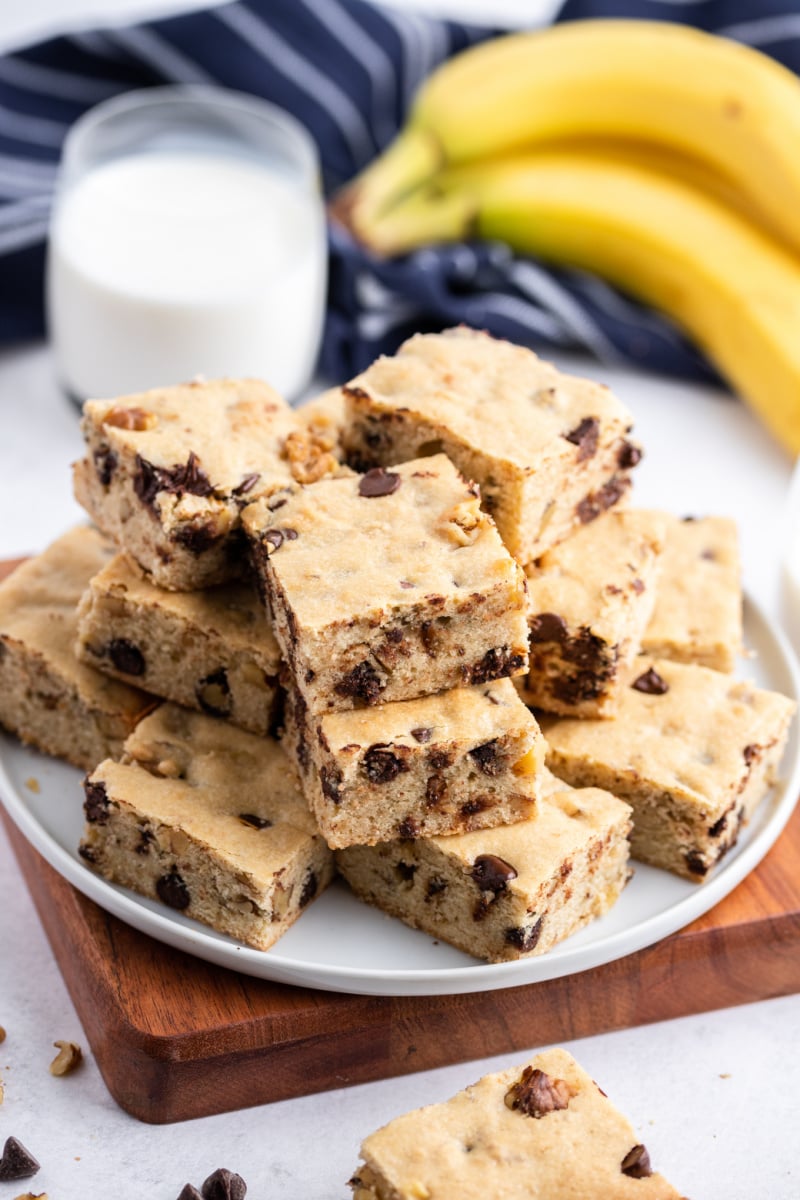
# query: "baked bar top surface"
[[595, 577], [494, 396], [38, 608], [341, 553], [476, 1145], [562, 823], [475, 714], [206, 777], [690, 731], [237, 429], [232, 612]]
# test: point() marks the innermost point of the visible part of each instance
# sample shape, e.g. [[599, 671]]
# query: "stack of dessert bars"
[[389, 580]]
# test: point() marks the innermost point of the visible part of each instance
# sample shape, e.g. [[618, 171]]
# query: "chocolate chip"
[[224, 1185], [405, 584], [331, 781], [492, 874], [695, 863], [407, 829], [637, 586], [548, 627], [126, 656], [525, 939], [247, 484], [497, 662], [536, 1094], [197, 536], [651, 683], [309, 889], [291, 535], [213, 694], [436, 885], [406, 871], [629, 456], [87, 852], [96, 805], [585, 436], [476, 805], [105, 464], [183, 478], [16, 1162], [394, 636], [255, 821], [146, 840], [636, 1163], [173, 891], [439, 759], [378, 482], [381, 765], [274, 538], [362, 683], [591, 506], [708, 555], [423, 734], [487, 758], [429, 636], [189, 1192], [716, 829], [435, 789], [751, 753]]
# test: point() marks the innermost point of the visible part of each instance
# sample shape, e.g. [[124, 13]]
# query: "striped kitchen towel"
[[348, 70]]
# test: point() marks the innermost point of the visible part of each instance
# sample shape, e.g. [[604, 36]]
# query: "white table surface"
[[715, 1097]]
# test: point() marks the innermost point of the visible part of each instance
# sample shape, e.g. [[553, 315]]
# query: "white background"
[[715, 1097]]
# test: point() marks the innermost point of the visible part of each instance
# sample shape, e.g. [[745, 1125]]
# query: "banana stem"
[[421, 219], [411, 159]]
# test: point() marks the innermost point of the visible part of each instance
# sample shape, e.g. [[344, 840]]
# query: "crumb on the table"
[[33, 785]]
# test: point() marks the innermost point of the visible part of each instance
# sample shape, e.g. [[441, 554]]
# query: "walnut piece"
[[137, 419], [68, 1058], [535, 1094], [309, 456]]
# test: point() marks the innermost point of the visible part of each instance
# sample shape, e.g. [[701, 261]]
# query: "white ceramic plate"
[[343, 945]]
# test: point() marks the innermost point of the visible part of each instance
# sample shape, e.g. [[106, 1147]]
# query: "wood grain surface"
[[176, 1037]]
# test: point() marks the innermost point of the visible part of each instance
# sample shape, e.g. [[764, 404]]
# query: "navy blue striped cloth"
[[348, 70]]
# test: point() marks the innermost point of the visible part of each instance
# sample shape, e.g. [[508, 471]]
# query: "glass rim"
[[211, 97]]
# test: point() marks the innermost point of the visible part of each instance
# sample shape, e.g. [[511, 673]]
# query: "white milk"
[[165, 265]]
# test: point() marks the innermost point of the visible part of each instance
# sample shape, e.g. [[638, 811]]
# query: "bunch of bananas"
[[664, 159]]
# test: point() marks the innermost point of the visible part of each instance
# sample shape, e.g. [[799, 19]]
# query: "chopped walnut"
[[462, 523], [136, 419], [68, 1058], [309, 456], [535, 1094]]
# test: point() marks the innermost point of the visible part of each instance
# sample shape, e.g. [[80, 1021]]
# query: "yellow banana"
[[732, 288], [710, 98]]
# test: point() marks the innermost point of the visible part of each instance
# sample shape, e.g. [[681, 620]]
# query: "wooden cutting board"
[[176, 1037]]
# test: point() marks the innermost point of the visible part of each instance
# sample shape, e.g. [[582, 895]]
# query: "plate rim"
[[474, 976]]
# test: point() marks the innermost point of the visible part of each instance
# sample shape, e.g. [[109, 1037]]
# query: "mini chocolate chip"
[[486, 757], [255, 821], [716, 829], [709, 555], [381, 765], [105, 464], [224, 1185], [525, 939], [407, 829], [591, 506], [362, 683], [436, 885], [585, 436], [636, 1163], [247, 484], [429, 637], [548, 627], [16, 1162], [536, 1094], [87, 852], [394, 636], [126, 656], [629, 456], [189, 1192], [492, 874], [435, 789], [274, 538], [751, 753], [378, 482], [650, 683], [497, 662], [309, 889], [291, 535], [695, 863], [173, 891], [405, 584], [213, 694], [637, 586], [146, 840], [331, 781], [96, 805], [406, 871], [197, 536], [423, 734], [476, 805], [439, 759]]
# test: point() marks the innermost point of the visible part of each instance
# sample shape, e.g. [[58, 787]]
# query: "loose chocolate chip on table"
[[651, 683], [422, 734], [309, 889], [247, 484], [16, 1162], [548, 627], [535, 1094], [173, 891], [224, 1185], [585, 436], [189, 1192], [378, 482], [629, 455], [492, 874], [486, 758], [126, 656], [255, 821], [213, 694], [636, 1163], [525, 939], [381, 765], [96, 804]]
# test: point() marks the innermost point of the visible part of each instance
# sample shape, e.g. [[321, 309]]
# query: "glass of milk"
[[188, 238]]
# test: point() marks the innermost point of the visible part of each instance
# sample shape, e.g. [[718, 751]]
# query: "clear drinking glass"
[[188, 238]]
